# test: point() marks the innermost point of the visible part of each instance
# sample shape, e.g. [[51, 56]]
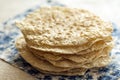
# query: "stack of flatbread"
[[64, 41]]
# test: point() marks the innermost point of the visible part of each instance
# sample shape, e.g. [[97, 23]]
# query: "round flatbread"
[[75, 72], [96, 62], [73, 57], [44, 66], [71, 49], [34, 61], [48, 68], [87, 61], [63, 30]]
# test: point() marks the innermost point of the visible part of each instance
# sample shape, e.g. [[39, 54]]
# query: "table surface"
[[106, 9]]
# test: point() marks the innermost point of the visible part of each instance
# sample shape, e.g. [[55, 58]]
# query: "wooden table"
[[107, 9]]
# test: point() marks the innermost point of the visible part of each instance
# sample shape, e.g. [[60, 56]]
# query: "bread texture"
[[63, 30], [65, 41], [60, 65]]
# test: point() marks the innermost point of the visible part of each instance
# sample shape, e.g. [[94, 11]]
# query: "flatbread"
[[72, 49], [63, 30], [75, 72], [75, 58], [69, 64], [34, 61], [91, 55], [97, 62], [96, 45], [100, 62], [86, 61], [46, 67]]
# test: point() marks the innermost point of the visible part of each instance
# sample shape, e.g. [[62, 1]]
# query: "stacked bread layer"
[[64, 41]]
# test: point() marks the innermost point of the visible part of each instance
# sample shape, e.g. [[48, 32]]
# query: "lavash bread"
[[65, 41], [63, 30], [43, 65], [75, 58], [46, 67]]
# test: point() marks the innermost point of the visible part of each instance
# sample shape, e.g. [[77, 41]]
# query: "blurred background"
[[107, 9]]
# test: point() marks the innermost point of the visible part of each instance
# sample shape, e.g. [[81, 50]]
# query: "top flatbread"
[[61, 26], [63, 30]]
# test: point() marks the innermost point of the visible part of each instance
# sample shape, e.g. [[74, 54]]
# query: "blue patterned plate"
[[9, 32]]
